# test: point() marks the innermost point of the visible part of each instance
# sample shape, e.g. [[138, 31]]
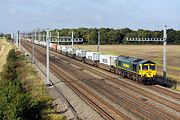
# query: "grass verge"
[[35, 87]]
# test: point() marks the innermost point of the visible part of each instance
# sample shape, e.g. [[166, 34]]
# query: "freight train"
[[140, 70]]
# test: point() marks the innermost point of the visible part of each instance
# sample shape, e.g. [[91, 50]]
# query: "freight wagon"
[[80, 55], [59, 48], [53, 46], [107, 62], [92, 58], [64, 50], [71, 52]]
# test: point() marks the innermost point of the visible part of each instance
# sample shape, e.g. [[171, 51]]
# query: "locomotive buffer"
[[164, 40]]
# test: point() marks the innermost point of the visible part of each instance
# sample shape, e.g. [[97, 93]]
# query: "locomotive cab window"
[[152, 67], [144, 67]]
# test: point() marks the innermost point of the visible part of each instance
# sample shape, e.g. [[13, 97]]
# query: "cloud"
[[12, 11]]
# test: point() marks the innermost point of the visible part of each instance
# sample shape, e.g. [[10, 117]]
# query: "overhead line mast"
[[164, 40]]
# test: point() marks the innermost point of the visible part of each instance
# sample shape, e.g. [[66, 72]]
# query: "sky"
[[27, 15]]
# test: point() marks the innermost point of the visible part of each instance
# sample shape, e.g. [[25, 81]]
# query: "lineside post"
[[98, 41], [32, 48], [44, 38], [17, 38], [164, 53], [47, 58], [58, 37], [39, 36], [72, 39]]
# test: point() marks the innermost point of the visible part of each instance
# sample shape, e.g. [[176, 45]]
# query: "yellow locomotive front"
[[148, 70]]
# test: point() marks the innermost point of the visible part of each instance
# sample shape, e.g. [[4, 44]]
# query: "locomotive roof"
[[134, 60]]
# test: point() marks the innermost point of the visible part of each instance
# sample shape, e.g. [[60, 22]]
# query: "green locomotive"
[[143, 71]]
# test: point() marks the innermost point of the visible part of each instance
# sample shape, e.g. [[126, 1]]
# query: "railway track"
[[135, 106], [166, 92], [139, 90], [101, 106], [148, 94], [161, 90]]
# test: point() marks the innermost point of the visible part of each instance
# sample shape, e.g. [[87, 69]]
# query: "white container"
[[71, 50], [81, 52], [92, 56], [64, 48], [35, 42], [44, 43], [107, 59], [59, 47], [41, 43], [50, 45]]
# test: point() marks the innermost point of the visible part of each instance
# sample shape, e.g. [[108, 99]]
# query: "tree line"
[[7, 36], [117, 36], [111, 36]]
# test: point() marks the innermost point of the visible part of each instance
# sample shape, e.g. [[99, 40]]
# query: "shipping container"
[[81, 53], [64, 49], [71, 50], [41, 43], [44, 43], [53, 46], [29, 40], [107, 59], [93, 56], [107, 62], [36, 42], [59, 48]]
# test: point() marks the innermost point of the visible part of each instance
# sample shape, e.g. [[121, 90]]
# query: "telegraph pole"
[[44, 38], [32, 37], [58, 37], [98, 41], [39, 35], [17, 39], [164, 53], [50, 36], [72, 39], [35, 36], [47, 57]]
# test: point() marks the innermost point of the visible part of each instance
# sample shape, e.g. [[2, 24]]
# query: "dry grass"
[[5, 47], [35, 87], [149, 52]]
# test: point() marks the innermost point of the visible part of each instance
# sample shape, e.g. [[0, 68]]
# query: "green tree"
[[93, 37]]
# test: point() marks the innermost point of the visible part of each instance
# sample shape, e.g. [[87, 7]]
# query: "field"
[[4, 49], [149, 52]]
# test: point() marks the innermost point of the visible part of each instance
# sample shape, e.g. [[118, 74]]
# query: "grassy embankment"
[[4, 49], [23, 94], [149, 52]]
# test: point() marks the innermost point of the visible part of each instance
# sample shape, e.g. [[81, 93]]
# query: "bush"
[[9, 71], [17, 105], [11, 56]]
